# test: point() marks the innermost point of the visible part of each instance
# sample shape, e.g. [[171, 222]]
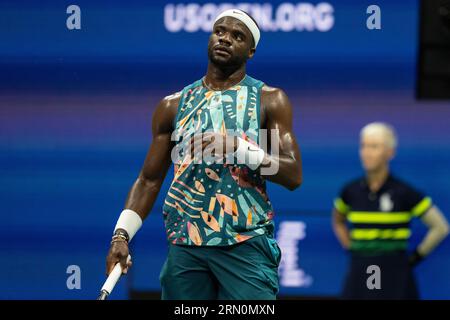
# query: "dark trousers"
[[396, 277]]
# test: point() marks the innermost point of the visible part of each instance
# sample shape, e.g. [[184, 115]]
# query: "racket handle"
[[111, 281]]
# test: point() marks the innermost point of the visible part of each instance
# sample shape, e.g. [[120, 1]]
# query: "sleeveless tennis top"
[[217, 204]]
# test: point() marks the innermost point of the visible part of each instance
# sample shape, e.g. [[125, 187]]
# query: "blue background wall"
[[75, 115]]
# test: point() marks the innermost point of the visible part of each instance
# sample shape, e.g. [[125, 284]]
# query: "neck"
[[220, 78], [376, 178]]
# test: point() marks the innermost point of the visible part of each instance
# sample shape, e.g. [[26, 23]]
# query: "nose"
[[225, 39]]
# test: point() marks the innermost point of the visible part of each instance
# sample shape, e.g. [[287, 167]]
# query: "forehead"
[[232, 23], [374, 137]]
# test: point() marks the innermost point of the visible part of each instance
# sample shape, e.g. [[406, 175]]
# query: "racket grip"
[[113, 277]]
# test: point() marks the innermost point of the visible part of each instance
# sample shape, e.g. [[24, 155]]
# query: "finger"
[[209, 133], [206, 143], [198, 147], [110, 266], [192, 150], [128, 264], [191, 142], [194, 137], [207, 151], [210, 136], [123, 263], [195, 144]]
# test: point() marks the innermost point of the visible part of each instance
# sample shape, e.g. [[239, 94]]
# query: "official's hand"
[[415, 258]]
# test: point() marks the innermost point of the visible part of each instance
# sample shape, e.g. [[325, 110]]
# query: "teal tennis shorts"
[[243, 271]]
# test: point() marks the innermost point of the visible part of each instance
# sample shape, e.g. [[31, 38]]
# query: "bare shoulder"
[[273, 98], [166, 111], [170, 102], [266, 89]]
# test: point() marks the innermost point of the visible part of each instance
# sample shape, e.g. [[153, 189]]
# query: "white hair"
[[388, 132]]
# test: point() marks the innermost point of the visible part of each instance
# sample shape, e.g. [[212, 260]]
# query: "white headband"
[[245, 18]]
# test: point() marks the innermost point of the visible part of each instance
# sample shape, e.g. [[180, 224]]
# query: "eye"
[[239, 37]]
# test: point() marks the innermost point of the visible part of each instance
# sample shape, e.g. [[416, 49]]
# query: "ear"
[[391, 153], [251, 53], [394, 153]]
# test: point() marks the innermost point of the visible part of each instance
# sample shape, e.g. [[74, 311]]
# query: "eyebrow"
[[239, 30]]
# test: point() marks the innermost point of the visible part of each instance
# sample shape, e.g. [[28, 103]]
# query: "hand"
[[118, 252], [414, 259], [216, 141]]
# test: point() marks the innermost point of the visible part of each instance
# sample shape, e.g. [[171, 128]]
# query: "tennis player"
[[218, 216]]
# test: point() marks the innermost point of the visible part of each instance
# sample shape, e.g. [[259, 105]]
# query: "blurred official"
[[371, 219]]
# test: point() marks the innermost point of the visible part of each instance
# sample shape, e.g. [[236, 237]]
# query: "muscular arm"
[[145, 189], [278, 115]]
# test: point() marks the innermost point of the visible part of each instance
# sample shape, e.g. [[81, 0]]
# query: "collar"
[[364, 184]]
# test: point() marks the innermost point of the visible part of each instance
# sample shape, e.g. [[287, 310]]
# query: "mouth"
[[222, 50]]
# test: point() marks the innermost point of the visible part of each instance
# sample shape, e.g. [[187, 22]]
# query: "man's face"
[[230, 43], [374, 151]]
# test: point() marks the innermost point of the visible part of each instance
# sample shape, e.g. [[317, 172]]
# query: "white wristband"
[[130, 221], [249, 154]]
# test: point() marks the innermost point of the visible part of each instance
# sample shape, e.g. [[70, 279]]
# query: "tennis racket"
[[111, 281]]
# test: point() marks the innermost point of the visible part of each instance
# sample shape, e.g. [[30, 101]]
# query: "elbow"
[[296, 179], [446, 230], [443, 230], [151, 185], [295, 183]]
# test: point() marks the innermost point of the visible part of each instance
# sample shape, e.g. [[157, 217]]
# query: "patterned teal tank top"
[[218, 204]]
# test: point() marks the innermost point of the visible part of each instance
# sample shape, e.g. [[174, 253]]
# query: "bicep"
[[158, 158], [280, 125]]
